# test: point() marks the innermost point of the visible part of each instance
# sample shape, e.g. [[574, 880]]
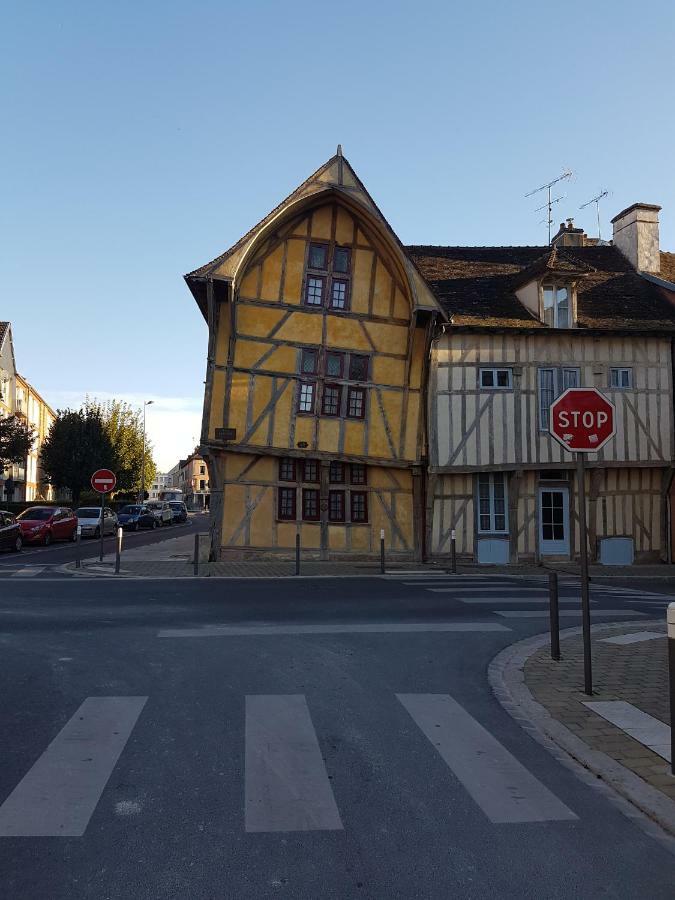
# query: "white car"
[[161, 511], [89, 519]]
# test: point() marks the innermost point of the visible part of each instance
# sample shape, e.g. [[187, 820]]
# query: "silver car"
[[89, 519], [161, 511]]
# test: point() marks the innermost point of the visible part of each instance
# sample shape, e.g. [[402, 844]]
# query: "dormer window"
[[557, 307]]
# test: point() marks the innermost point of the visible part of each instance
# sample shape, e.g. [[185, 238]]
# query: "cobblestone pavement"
[[636, 673]]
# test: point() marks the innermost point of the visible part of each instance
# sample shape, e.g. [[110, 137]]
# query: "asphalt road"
[[65, 551], [303, 739]]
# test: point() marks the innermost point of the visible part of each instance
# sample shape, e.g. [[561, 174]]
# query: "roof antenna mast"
[[596, 200], [567, 173]]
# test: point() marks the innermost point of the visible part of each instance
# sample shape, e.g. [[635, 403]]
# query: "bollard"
[[196, 559], [453, 551], [297, 554], [554, 617], [671, 669], [382, 551], [118, 550], [78, 562]]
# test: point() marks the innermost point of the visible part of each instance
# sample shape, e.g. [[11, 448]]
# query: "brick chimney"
[[569, 236], [636, 234]]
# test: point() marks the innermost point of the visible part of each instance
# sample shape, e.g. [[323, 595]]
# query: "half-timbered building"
[[525, 323], [314, 413]]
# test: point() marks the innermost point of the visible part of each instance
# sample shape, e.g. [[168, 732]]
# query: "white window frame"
[[495, 386], [619, 371], [493, 480], [557, 303], [563, 377]]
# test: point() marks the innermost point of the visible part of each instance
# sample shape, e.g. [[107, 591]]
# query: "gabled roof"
[[335, 177], [476, 286], [4, 328]]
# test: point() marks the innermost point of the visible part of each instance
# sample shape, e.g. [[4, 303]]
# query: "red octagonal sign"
[[103, 481], [582, 419]]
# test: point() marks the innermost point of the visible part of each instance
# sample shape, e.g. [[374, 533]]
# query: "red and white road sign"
[[582, 419], [103, 481]]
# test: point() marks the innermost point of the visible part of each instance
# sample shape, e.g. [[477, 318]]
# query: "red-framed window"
[[358, 473], [315, 290], [336, 472], [309, 364], [359, 506], [310, 504], [336, 506], [310, 470], [286, 507], [339, 293], [330, 405], [358, 367], [306, 396], [318, 256], [334, 364], [356, 402], [286, 468]]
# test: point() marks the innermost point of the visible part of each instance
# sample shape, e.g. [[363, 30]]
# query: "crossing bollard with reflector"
[[382, 551], [453, 551], [196, 559], [297, 554], [78, 561], [554, 615], [118, 550], [671, 670]]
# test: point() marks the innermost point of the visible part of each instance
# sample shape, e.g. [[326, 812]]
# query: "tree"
[[76, 446], [124, 426], [16, 441]]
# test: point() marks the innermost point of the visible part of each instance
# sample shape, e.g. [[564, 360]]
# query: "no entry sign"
[[582, 420], [103, 481]]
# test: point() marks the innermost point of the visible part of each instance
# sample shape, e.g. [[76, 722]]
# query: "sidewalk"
[[549, 695]]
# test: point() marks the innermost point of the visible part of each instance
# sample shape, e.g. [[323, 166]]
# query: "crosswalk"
[[528, 598], [286, 783]]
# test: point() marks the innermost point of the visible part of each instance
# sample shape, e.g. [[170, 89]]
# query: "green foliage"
[[76, 446], [16, 441], [124, 426]]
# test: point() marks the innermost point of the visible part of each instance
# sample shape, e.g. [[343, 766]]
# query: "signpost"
[[103, 481], [582, 421]]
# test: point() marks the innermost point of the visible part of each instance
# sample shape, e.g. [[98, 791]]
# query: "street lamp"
[[142, 497]]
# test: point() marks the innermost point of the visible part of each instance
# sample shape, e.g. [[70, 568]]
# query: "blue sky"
[[141, 139]]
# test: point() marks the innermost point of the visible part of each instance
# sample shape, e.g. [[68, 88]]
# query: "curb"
[[636, 798]]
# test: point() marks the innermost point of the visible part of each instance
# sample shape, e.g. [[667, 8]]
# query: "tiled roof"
[[4, 328], [667, 266], [476, 285]]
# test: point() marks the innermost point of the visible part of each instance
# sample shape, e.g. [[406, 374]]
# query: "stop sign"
[[582, 419], [103, 481]]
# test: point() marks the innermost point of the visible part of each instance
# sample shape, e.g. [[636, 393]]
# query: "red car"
[[44, 524]]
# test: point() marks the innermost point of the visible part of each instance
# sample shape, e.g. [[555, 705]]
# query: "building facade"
[[160, 482], [314, 415], [193, 480]]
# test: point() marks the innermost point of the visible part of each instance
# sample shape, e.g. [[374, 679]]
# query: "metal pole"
[[453, 551], [671, 667], [196, 559], [78, 563], [382, 551], [583, 557], [297, 554], [553, 614], [100, 558], [118, 550], [142, 497]]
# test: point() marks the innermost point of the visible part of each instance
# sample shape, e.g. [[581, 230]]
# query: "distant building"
[[160, 483], [193, 480], [25, 480]]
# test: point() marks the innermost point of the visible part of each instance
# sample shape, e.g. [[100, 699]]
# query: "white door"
[[554, 521]]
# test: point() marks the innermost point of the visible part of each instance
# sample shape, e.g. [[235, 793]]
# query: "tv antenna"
[[596, 200], [567, 173], [549, 220]]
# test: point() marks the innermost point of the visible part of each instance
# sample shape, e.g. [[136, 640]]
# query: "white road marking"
[[634, 638], [58, 795], [365, 628], [286, 783], [541, 614], [486, 590], [28, 572], [493, 600], [503, 788], [650, 732]]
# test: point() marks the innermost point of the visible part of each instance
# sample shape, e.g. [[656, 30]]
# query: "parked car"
[[134, 516], [44, 524], [10, 532], [89, 519], [178, 510], [162, 511]]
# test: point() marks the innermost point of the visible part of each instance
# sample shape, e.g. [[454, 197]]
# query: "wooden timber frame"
[[254, 301]]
